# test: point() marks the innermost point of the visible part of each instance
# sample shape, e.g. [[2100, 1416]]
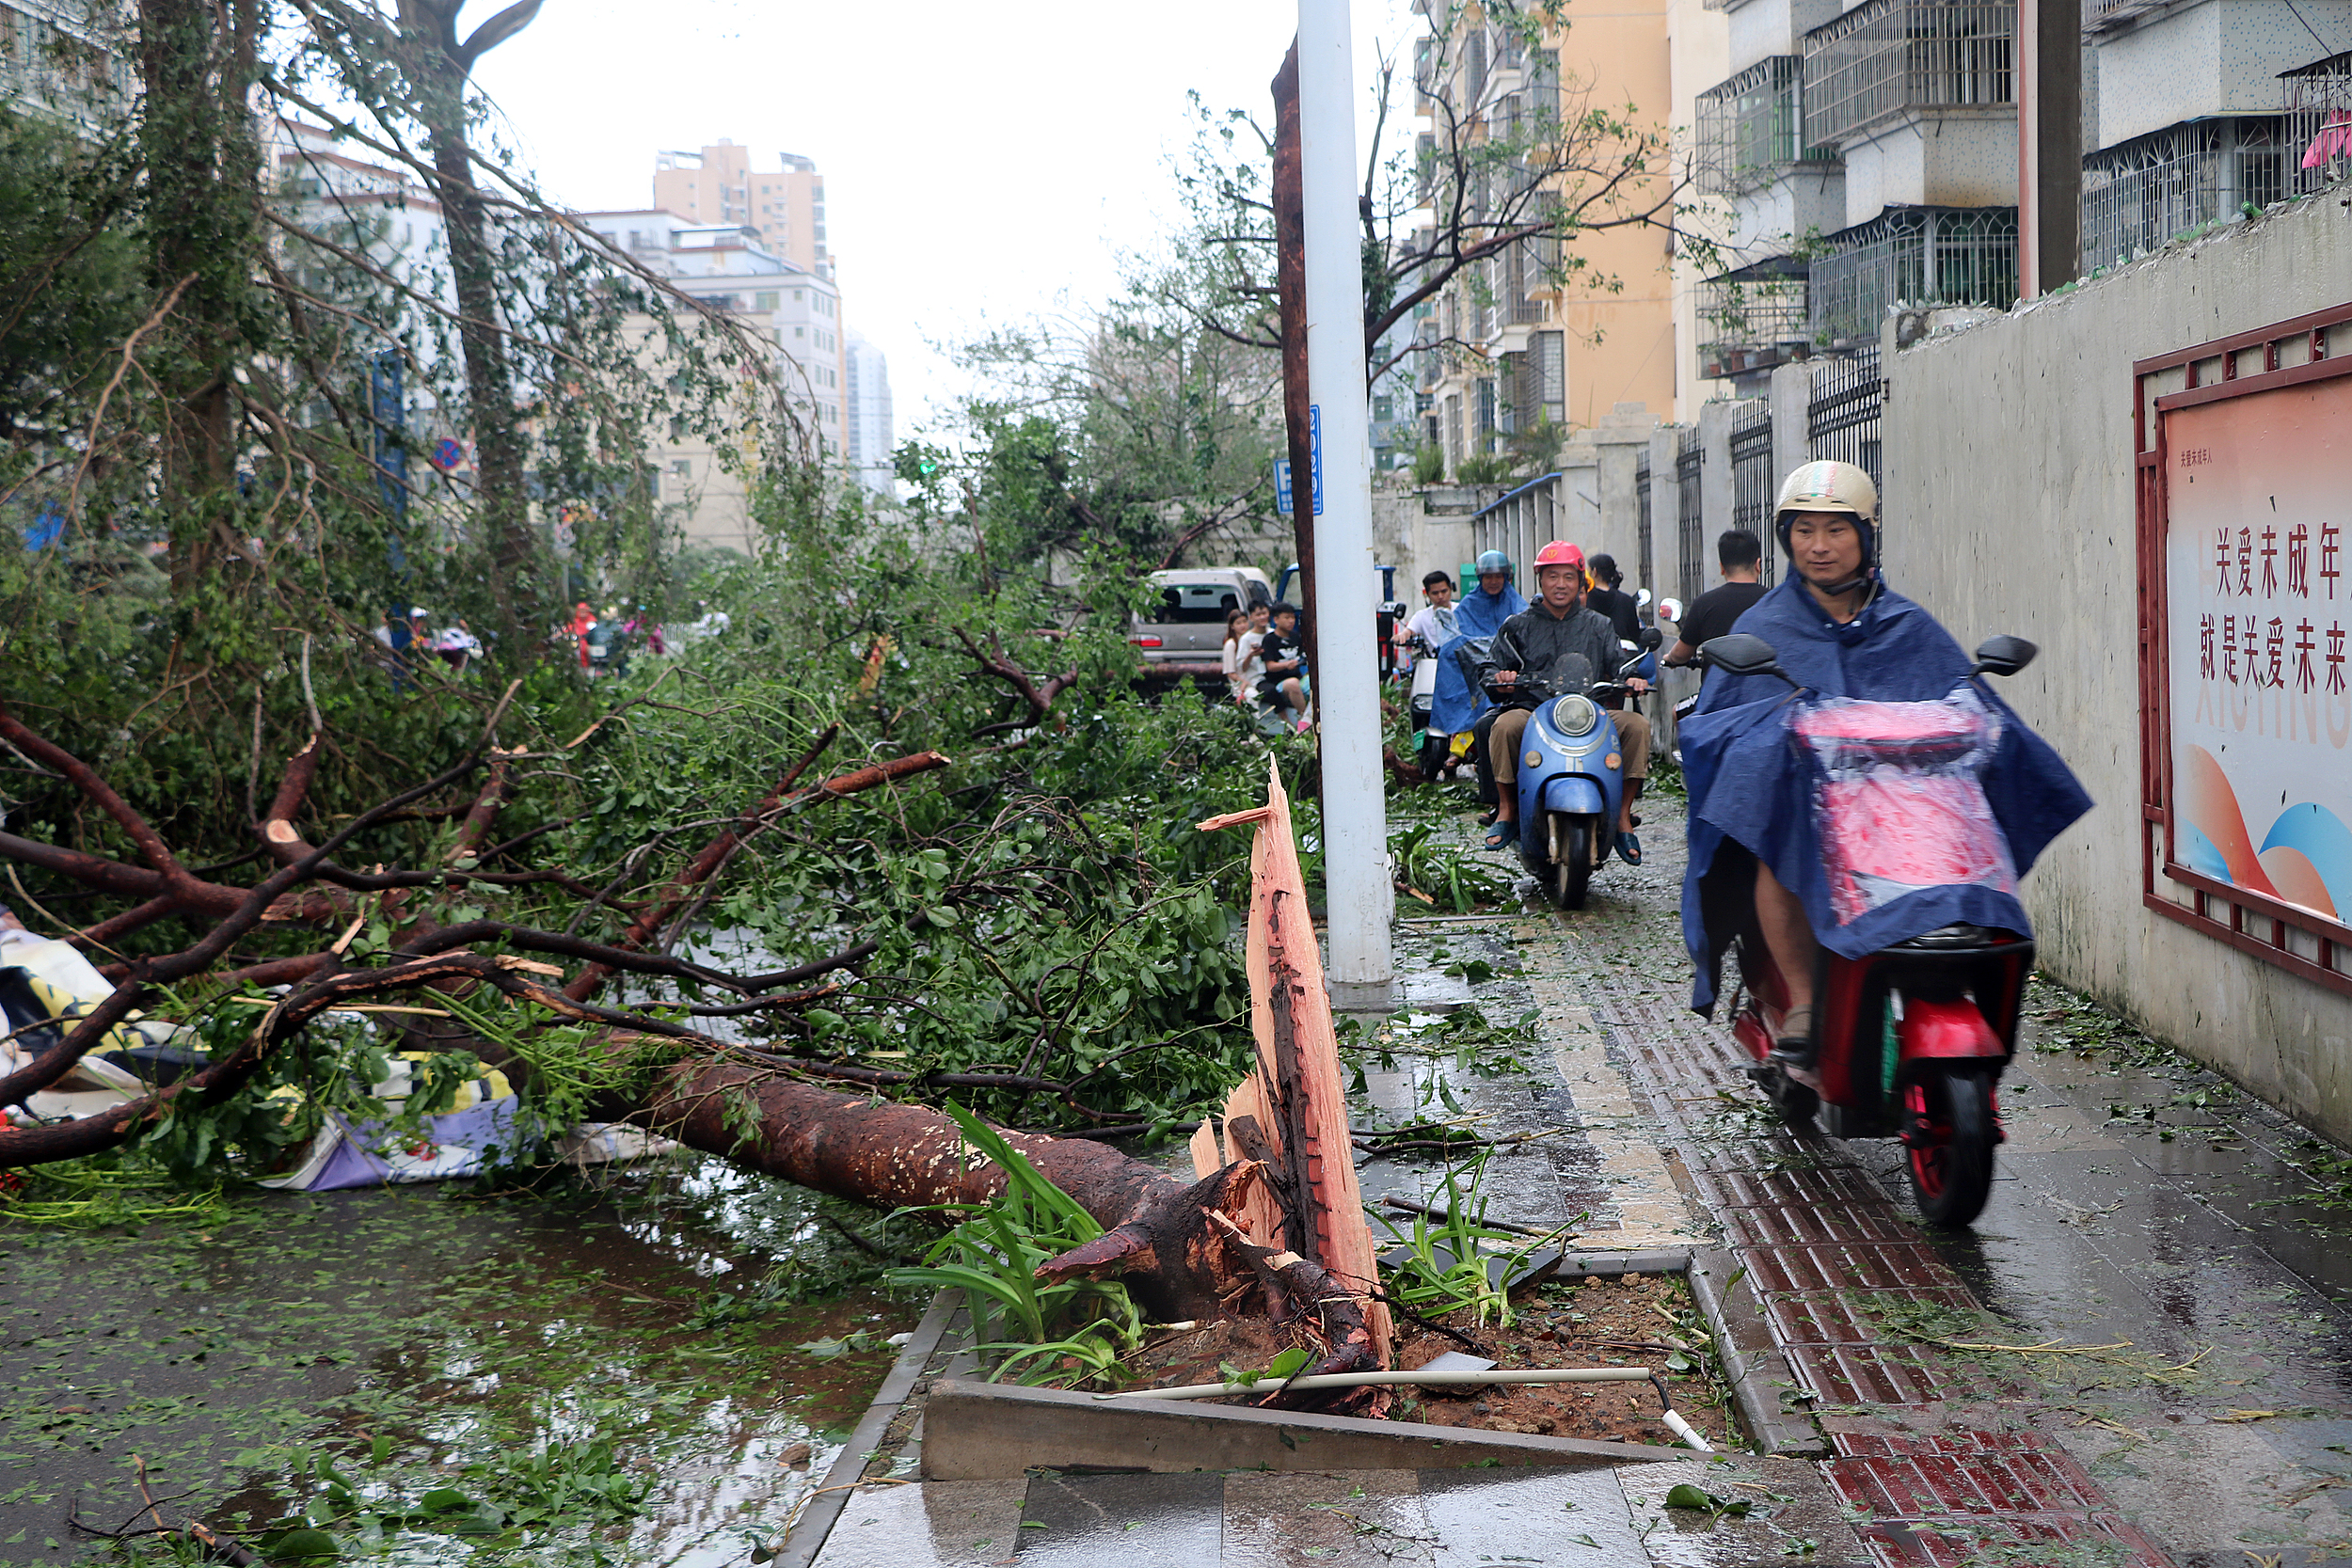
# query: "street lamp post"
[[1355, 876]]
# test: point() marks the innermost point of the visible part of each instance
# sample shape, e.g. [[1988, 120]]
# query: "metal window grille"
[[1751, 127], [1486, 413], [1842, 419], [1643, 497], [2144, 192], [1690, 526], [1522, 275], [1889, 56], [1752, 486], [2317, 129], [1753, 308], [1914, 256], [1551, 355]]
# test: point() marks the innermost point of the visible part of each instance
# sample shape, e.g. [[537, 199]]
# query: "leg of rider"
[[1482, 733], [1788, 934], [1633, 735], [1502, 754]]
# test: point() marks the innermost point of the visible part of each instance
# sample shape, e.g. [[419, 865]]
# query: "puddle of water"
[[427, 1341]]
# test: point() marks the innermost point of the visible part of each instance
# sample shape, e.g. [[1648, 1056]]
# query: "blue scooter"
[[1571, 778]]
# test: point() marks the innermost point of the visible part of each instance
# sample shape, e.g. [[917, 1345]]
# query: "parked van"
[[1188, 624]]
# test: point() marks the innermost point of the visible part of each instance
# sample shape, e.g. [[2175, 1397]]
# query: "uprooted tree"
[[523, 997]]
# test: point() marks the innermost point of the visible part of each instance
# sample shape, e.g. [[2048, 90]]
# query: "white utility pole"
[[1355, 876]]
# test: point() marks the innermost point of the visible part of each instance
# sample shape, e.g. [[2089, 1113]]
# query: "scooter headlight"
[[1574, 715]]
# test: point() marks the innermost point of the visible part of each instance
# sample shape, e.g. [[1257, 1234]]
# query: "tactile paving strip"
[[1827, 1253]]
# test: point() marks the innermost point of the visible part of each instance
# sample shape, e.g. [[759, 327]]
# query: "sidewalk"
[[2136, 1357]]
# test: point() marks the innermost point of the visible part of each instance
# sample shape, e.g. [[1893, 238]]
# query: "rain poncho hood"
[[1478, 614], [1750, 787]]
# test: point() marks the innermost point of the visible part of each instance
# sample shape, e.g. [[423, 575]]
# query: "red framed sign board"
[[2244, 543]]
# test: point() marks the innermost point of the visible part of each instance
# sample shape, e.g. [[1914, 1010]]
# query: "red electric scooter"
[[1911, 1040]]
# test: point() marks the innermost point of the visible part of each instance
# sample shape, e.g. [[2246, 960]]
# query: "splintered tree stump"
[[1291, 1112]]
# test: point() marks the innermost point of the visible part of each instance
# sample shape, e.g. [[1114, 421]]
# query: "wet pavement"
[[519, 1352], [2138, 1356]]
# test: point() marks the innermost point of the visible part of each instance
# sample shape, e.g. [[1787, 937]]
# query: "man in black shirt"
[[1717, 611]]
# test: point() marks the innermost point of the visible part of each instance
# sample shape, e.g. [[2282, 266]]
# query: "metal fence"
[[2144, 192], [1758, 307], [1889, 56], [1752, 126], [1842, 419], [1914, 256], [2318, 123], [1642, 501], [1752, 478], [1689, 525]]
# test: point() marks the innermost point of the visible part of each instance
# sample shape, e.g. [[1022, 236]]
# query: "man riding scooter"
[[1861, 809], [1571, 647], [1458, 703]]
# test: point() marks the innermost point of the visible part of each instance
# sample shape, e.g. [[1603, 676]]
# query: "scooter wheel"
[[1948, 1131], [1571, 858]]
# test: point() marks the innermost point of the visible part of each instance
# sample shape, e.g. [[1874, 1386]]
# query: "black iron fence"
[[1689, 525], [1842, 421], [1753, 483]]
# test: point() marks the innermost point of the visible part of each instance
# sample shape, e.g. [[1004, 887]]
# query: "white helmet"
[[1830, 487]]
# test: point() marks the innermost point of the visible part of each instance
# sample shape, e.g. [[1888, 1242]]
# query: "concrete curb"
[[1752, 1363], [993, 1432], [1584, 1265], [807, 1536]]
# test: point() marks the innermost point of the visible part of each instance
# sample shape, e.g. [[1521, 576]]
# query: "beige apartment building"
[[784, 207], [1516, 346]]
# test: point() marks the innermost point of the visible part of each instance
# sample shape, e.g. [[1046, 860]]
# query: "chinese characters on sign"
[[2259, 497]]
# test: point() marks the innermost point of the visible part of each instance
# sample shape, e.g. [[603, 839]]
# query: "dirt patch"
[[1639, 1320]]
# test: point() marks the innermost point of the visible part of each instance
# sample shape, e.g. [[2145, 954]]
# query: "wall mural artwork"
[[2260, 492], [2245, 581]]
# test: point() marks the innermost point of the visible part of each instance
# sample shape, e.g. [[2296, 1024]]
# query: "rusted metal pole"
[[1290, 288]]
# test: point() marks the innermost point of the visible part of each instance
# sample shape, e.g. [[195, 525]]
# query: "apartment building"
[[727, 271], [67, 61], [1524, 338], [867, 412], [1864, 155], [783, 207]]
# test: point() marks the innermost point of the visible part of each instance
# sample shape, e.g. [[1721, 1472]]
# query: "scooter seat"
[[1960, 935]]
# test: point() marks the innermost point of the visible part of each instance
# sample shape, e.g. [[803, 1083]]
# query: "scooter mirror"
[[1652, 638], [1742, 652], [2004, 656], [1670, 609], [1640, 598]]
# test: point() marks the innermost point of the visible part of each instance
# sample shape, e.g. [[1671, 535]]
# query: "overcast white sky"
[[981, 163]]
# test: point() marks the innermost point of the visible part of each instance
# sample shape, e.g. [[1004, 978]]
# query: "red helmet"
[[1559, 553]]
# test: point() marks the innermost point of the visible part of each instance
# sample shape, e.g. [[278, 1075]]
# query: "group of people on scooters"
[[1266, 663], [1494, 658]]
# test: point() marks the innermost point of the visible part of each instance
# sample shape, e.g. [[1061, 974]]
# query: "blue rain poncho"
[[1478, 616], [1751, 787]]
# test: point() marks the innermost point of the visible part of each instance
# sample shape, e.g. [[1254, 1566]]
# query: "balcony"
[[1752, 319], [1891, 57], [2142, 193], [1752, 128], [1912, 256]]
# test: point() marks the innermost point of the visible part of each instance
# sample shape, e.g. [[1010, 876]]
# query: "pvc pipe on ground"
[[1684, 1430], [1362, 1380]]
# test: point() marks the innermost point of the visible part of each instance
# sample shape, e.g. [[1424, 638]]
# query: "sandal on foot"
[[1793, 1045], [1628, 850], [1503, 835]]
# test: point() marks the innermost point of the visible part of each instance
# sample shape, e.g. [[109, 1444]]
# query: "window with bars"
[[1916, 256], [1751, 127], [1886, 56], [2140, 194]]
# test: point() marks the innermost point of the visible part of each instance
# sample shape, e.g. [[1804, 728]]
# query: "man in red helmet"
[[1568, 646]]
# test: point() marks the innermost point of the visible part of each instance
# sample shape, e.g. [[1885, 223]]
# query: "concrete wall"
[[2219, 57], [1963, 158], [2010, 494], [1774, 219]]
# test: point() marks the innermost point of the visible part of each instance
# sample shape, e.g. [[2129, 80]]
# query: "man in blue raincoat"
[[1458, 704], [1755, 852]]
